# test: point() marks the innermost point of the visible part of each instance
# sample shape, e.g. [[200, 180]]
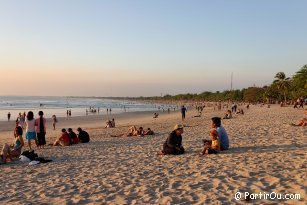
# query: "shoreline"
[[93, 120]]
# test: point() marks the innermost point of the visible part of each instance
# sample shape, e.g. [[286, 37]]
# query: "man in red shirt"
[[63, 140]]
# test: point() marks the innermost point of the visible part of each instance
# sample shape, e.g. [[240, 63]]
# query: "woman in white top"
[[30, 129]]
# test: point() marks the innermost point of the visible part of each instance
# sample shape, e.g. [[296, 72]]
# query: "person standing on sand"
[[301, 103], [8, 116], [30, 129], [183, 111], [41, 129], [54, 121], [219, 106], [173, 144], [21, 120]]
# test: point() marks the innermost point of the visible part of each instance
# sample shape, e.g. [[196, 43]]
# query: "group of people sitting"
[[219, 140], [70, 137], [173, 145], [228, 114], [134, 131], [15, 150], [156, 115], [110, 123]]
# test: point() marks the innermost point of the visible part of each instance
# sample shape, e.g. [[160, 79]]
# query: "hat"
[[178, 126]]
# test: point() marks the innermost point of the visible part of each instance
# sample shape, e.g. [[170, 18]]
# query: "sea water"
[[59, 105]]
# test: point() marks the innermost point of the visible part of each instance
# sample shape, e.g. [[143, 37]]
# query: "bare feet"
[[161, 153]]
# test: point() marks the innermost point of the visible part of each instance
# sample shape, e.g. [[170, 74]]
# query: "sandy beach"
[[266, 155]]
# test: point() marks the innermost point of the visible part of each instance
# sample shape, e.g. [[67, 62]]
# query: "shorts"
[[31, 135], [212, 151]]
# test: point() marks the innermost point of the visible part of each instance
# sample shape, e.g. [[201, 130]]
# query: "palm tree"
[[299, 83], [300, 77], [283, 83]]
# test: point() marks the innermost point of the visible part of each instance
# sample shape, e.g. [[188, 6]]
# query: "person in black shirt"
[[183, 111], [83, 136], [73, 137], [173, 144]]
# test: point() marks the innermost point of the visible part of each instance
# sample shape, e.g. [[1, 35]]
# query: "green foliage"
[[253, 94], [282, 88], [299, 83], [282, 83]]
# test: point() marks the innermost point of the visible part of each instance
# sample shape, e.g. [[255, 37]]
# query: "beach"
[[266, 155]]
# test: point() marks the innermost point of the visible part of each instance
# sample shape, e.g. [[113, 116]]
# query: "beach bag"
[[30, 155], [24, 159], [43, 160]]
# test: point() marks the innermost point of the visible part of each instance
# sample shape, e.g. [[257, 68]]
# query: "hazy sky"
[[147, 47]]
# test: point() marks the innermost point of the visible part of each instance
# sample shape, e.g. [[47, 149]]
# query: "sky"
[[147, 47]]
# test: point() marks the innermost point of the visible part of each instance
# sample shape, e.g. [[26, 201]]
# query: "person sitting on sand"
[[132, 131], [83, 136], [155, 115], [15, 150], [228, 115], [63, 140], [149, 132], [240, 111], [214, 147], [140, 132], [113, 123], [223, 137], [108, 124], [73, 136], [302, 122], [173, 144]]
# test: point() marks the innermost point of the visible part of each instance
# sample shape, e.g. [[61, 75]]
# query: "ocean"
[[59, 105]]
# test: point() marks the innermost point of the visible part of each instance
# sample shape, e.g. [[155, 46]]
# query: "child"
[[214, 146], [228, 115]]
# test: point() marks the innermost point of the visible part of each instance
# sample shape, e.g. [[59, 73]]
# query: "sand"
[[266, 155]]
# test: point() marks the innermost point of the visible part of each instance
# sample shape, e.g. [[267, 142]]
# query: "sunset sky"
[[145, 48]]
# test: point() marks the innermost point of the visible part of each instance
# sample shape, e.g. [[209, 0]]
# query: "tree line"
[[282, 88]]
